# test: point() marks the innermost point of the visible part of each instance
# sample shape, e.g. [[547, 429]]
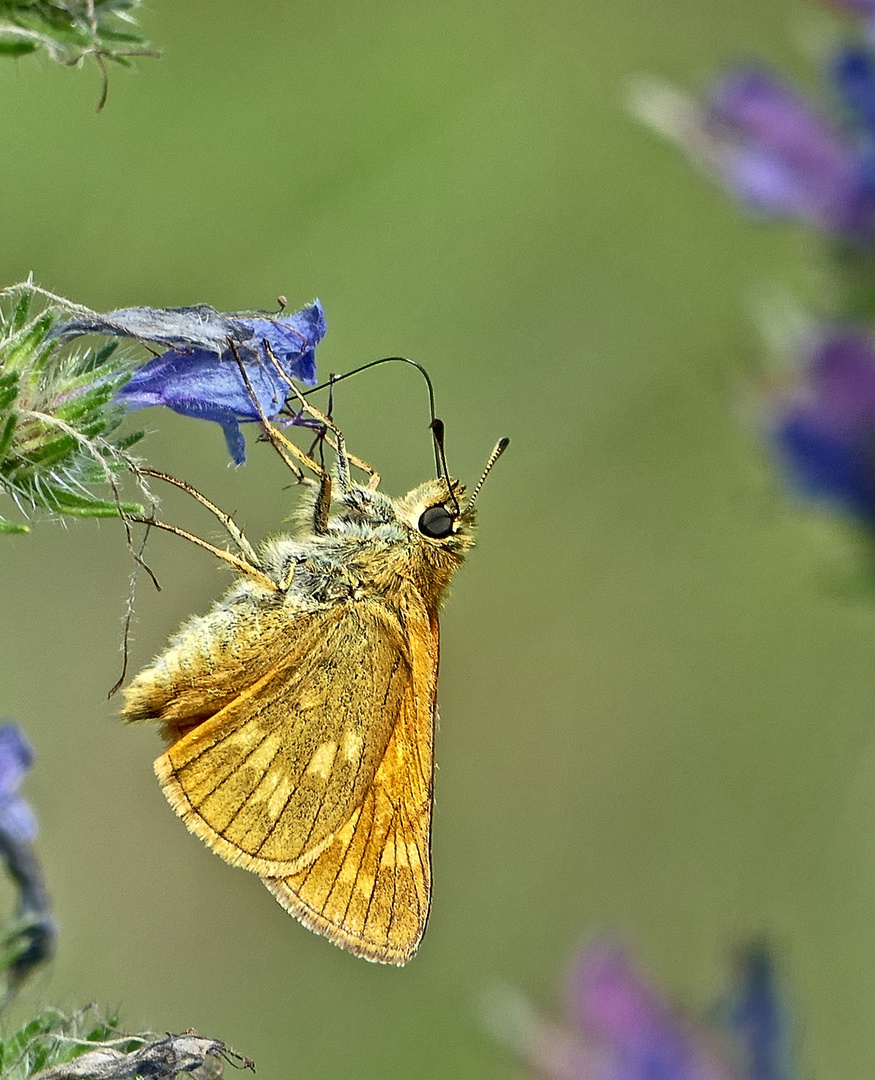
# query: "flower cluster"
[[619, 1026], [786, 157]]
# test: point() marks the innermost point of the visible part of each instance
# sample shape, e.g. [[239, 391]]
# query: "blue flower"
[[199, 375], [824, 427], [756, 1016], [33, 938], [17, 820]]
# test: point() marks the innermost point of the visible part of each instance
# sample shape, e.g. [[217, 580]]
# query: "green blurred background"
[[656, 713]]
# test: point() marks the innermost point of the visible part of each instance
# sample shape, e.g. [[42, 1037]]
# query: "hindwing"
[[369, 890], [275, 774]]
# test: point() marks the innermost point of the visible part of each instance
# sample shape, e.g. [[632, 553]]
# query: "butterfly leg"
[[292, 454], [344, 459], [241, 565], [288, 451], [230, 526]]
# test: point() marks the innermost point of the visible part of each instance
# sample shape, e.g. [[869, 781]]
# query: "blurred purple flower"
[[824, 428], [198, 375], [855, 7], [617, 1009], [756, 1016], [784, 157], [17, 820], [35, 935], [618, 1027], [777, 152]]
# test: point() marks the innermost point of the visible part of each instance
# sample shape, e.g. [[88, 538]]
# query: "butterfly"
[[299, 711]]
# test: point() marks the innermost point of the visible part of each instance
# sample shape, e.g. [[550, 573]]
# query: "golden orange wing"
[[273, 776], [369, 890]]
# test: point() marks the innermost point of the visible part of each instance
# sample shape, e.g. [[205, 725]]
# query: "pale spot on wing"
[[238, 742], [280, 795], [365, 885], [322, 760], [394, 856], [226, 756], [253, 768], [352, 745], [265, 754]]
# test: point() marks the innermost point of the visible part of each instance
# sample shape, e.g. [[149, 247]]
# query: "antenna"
[[437, 430], [500, 448]]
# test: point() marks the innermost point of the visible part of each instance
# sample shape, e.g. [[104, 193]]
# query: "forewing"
[[271, 778], [369, 891]]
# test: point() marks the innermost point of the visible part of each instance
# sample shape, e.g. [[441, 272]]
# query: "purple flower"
[[824, 428], [618, 1027], [756, 1016], [17, 820], [778, 153], [198, 375], [855, 7], [640, 1035], [35, 936], [785, 158]]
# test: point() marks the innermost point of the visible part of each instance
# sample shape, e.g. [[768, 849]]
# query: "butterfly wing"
[[369, 890], [270, 779]]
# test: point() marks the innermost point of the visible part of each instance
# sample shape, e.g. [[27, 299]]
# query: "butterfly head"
[[438, 508], [438, 513]]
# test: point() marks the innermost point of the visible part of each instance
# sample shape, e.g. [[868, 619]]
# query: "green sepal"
[[127, 441], [8, 389], [91, 361], [52, 451], [21, 349], [6, 434], [18, 316], [67, 502], [17, 46], [9, 527]]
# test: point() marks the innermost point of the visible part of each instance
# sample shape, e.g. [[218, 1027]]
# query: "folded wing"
[[369, 890], [270, 779]]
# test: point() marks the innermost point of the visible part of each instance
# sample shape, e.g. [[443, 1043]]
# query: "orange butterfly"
[[299, 711]]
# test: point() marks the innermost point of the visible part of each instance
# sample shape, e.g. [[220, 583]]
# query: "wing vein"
[[358, 869], [225, 779]]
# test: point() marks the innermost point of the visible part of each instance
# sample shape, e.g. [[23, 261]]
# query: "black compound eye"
[[436, 523]]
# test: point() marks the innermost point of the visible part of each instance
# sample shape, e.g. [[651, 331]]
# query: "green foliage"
[[58, 417], [52, 1038], [71, 30]]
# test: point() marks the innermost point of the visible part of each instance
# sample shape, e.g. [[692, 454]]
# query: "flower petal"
[[788, 158], [16, 757], [758, 1016], [181, 326], [17, 819], [207, 384]]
